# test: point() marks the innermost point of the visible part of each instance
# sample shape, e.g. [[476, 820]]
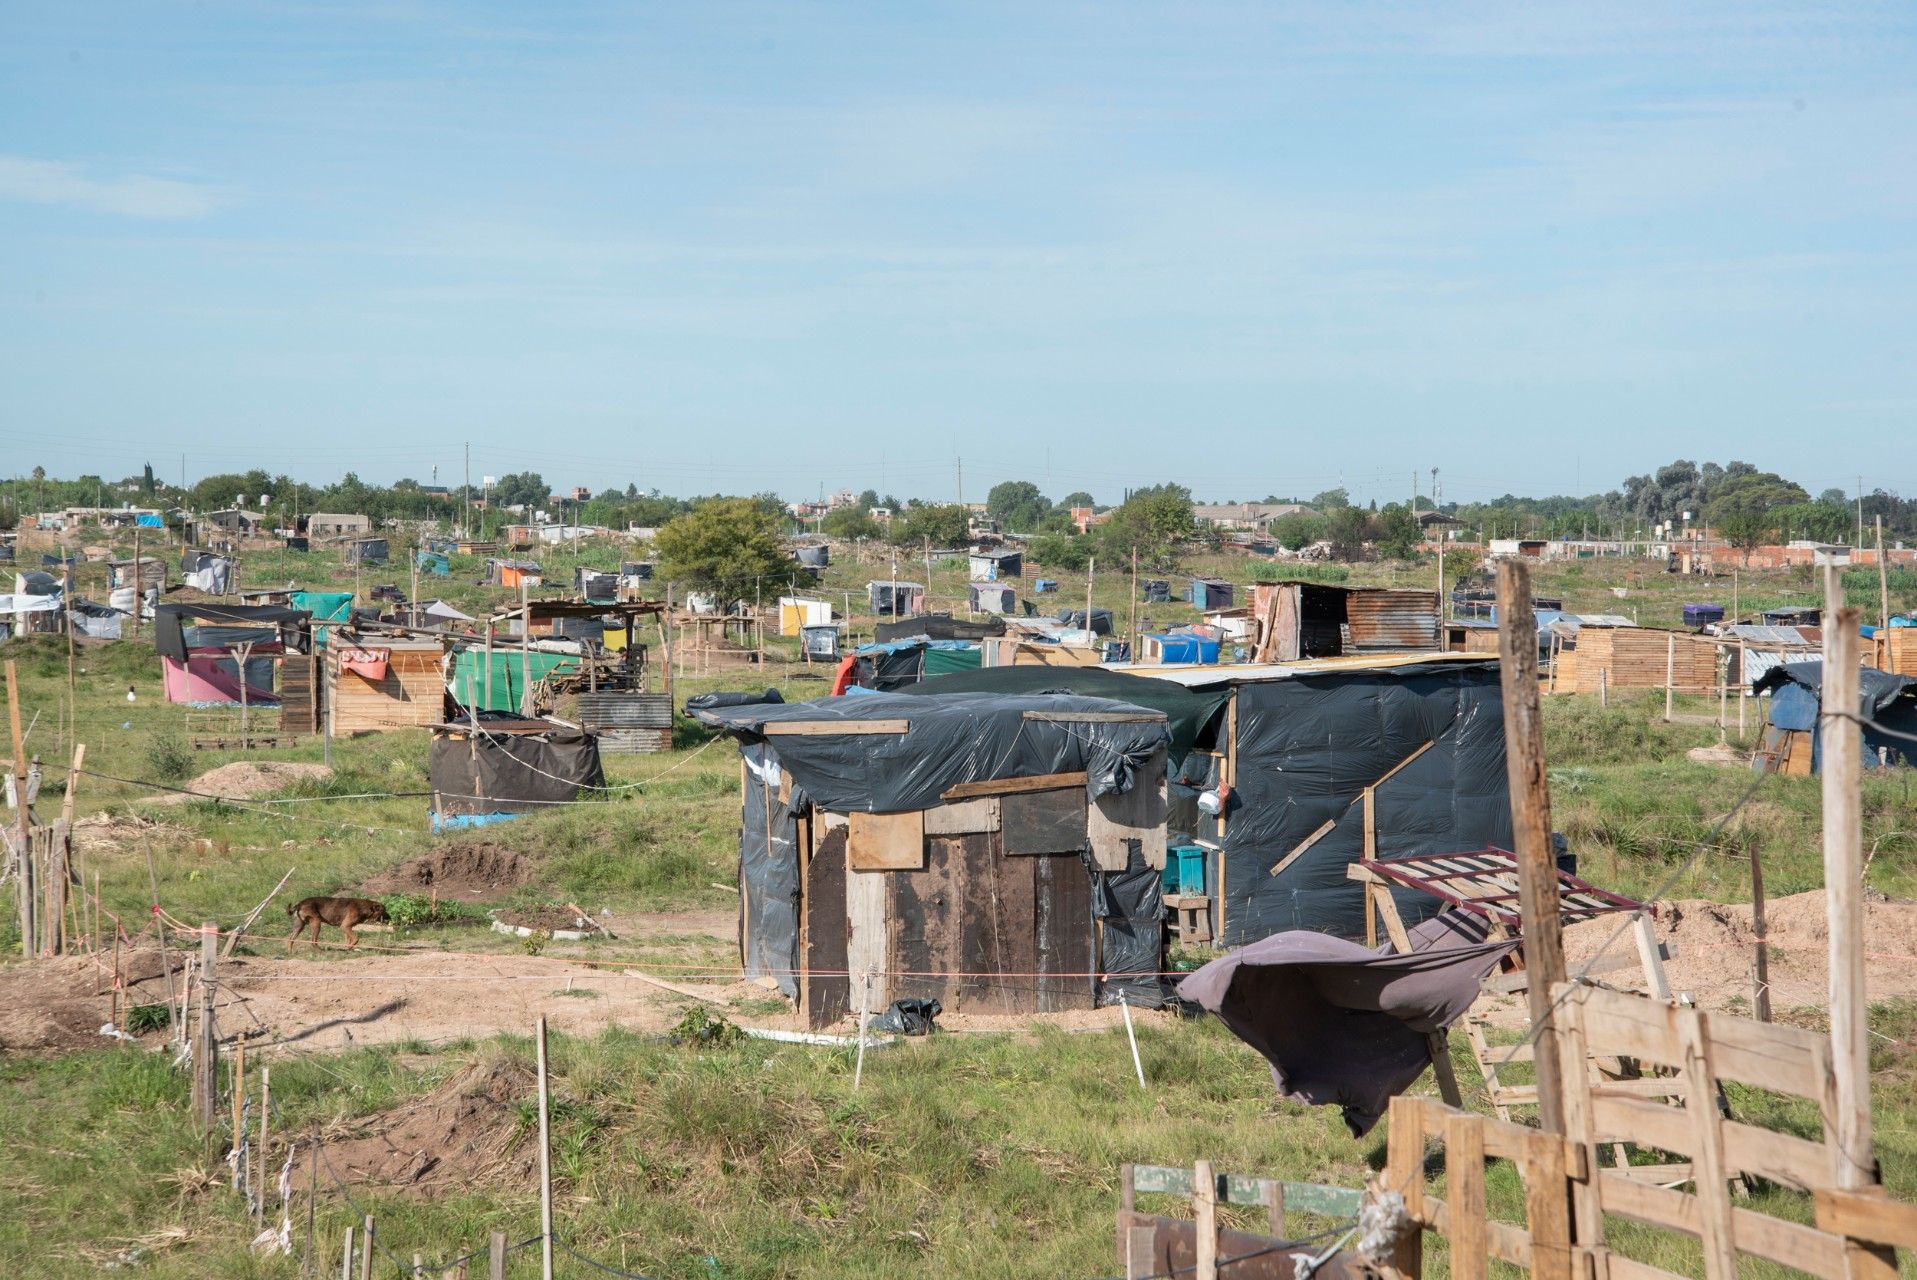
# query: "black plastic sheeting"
[[1130, 908], [937, 626], [1101, 620], [961, 737], [168, 620], [1189, 712], [480, 773], [1307, 748], [768, 875]]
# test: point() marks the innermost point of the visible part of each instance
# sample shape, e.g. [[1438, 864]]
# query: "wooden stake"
[[206, 1051], [1883, 580], [1204, 1202], [545, 1161], [312, 1201], [496, 1257], [266, 1108], [346, 1257], [22, 826], [1670, 672], [1761, 993], [366, 1239], [239, 1097], [1842, 749], [1531, 827], [525, 647]]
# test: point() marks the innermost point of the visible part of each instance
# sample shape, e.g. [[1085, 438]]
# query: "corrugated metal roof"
[[1766, 635], [1388, 619]]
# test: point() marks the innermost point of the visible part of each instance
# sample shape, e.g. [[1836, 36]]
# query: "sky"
[[1250, 248]]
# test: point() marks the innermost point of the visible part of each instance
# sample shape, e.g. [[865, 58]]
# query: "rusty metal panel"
[[1387, 619], [627, 723]]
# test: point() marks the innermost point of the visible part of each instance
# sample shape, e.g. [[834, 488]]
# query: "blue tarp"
[[149, 522]]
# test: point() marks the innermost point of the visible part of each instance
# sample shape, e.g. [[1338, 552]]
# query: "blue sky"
[[712, 246]]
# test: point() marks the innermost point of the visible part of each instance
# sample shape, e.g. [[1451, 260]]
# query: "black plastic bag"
[[909, 1018]]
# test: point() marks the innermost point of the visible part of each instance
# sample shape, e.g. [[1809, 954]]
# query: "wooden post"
[[366, 1239], [1604, 687], [1743, 683], [1531, 827], [496, 1257], [1091, 575], [346, 1256], [266, 1108], [22, 826], [545, 1161], [239, 1097], [1670, 671], [1842, 749], [1761, 992], [1131, 627], [246, 651], [1404, 1174], [66, 603], [525, 647], [206, 1052], [139, 583], [1204, 1203], [1464, 1192]]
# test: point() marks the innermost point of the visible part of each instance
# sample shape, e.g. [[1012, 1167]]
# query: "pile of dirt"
[[59, 1004], [455, 873], [113, 832], [244, 779], [469, 1130], [1722, 753], [1714, 947]]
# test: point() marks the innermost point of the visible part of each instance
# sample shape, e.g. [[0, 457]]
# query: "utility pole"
[[961, 480], [1860, 511], [466, 497]]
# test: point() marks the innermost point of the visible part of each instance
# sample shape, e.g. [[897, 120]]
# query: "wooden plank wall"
[[1635, 658], [299, 701], [410, 694], [825, 994]]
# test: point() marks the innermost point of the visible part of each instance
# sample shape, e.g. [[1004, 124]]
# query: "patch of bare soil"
[[1714, 948], [468, 1130], [548, 917], [110, 832], [456, 872], [61, 1004], [244, 779]]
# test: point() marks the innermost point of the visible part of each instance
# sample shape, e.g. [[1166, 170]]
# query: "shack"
[[202, 648], [513, 573], [595, 584], [1297, 619], [995, 565], [207, 571], [328, 524], [999, 854], [378, 683], [435, 564], [893, 599], [893, 664], [1629, 657], [1793, 741], [149, 572], [796, 613], [365, 550], [491, 768], [1207, 593]]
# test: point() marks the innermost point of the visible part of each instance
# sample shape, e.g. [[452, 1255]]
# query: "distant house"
[[325, 524], [232, 520], [995, 565], [1246, 517]]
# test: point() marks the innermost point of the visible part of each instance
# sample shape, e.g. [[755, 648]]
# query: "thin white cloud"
[[30, 181]]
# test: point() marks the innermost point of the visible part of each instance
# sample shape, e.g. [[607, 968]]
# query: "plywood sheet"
[[924, 946], [1134, 821], [886, 841], [1062, 911], [1043, 821], [826, 991], [963, 817]]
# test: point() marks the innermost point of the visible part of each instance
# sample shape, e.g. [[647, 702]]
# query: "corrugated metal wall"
[[1392, 619]]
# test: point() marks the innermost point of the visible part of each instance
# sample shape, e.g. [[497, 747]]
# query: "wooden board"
[[1135, 821], [923, 923], [1063, 927], [832, 728], [886, 841], [825, 992], [1043, 821], [963, 817], [996, 927], [1012, 786]]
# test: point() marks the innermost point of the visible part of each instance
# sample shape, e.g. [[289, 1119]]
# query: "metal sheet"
[[628, 723], [1392, 619]]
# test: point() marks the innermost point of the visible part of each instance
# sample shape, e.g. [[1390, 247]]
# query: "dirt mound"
[[549, 917], [470, 1129], [1722, 753], [244, 779], [456, 872], [59, 1004], [1714, 948], [112, 832]]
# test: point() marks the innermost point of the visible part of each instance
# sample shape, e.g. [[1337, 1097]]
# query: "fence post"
[[346, 1256], [22, 835], [496, 1257], [1204, 1199], [1841, 738], [206, 1053], [545, 1162], [366, 1249], [1761, 995]]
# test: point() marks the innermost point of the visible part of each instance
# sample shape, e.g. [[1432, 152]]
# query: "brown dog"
[[343, 912]]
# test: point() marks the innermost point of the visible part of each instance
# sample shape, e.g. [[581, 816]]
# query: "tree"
[[1078, 498], [520, 489], [1834, 497], [1153, 521], [727, 546], [849, 523], [1348, 528], [1060, 551], [1743, 508], [1295, 531], [1396, 533], [1331, 499], [146, 479], [933, 525], [1018, 506], [869, 498]]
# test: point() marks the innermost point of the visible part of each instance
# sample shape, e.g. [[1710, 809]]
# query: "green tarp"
[[939, 662], [1189, 710], [325, 606], [508, 683]]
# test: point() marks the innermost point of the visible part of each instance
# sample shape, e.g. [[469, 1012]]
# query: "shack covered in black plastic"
[[1298, 747], [998, 853], [498, 766]]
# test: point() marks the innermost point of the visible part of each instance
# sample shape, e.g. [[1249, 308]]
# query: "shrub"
[[169, 758]]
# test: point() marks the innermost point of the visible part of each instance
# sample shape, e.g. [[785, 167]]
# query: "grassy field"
[[992, 1155]]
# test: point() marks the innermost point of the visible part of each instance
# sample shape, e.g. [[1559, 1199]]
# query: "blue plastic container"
[[1184, 869]]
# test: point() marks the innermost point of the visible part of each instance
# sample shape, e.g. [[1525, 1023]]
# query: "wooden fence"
[[1570, 1199]]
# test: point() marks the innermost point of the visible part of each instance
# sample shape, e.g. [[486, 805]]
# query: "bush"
[[169, 759], [142, 1018]]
